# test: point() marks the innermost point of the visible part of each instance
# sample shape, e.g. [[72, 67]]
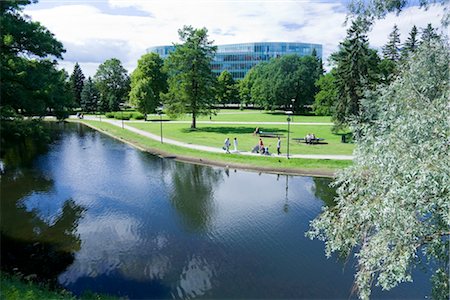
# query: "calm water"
[[98, 215]]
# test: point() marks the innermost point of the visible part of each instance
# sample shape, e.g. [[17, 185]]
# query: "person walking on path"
[[227, 145], [235, 142], [279, 146]]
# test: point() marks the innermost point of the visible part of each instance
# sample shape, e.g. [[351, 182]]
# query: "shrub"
[[109, 115], [122, 115], [137, 116]]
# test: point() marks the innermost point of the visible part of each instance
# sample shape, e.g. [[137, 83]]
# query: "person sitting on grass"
[[257, 131], [261, 146]]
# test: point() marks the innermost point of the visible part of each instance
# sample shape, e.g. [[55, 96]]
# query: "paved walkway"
[[118, 123]]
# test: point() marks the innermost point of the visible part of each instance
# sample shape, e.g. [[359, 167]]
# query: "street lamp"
[[159, 110], [288, 113], [121, 112], [293, 108]]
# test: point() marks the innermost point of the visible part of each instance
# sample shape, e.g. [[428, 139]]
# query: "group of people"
[[309, 138], [80, 115], [227, 145], [260, 148]]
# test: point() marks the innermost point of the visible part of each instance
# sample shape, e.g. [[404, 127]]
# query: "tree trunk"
[[194, 121]]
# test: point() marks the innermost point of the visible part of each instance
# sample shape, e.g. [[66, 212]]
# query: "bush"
[[109, 115], [137, 116], [122, 115]]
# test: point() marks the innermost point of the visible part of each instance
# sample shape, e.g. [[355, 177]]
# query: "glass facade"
[[238, 59]]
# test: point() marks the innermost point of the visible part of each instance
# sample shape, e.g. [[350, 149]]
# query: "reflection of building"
[[238, 59]]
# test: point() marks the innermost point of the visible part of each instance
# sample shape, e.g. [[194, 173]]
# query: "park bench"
[[270, 134], [313, 141]]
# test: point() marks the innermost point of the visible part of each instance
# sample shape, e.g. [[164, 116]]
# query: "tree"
[[356, 70], [76, 82], [429, 34], [25, 82], [326, 98], [410, 44], [113, 83], [377, 9], [147, 82], [191, 81], [393, 203], [90, 96], [275, 83], [391, 50], [226, 91]]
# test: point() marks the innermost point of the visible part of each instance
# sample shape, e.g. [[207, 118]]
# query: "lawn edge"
[[217, 163]]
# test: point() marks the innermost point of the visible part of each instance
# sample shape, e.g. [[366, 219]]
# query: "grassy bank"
[[214, 134], [13, 288], [268, 164]]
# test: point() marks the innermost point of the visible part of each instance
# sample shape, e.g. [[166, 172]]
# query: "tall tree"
[[410, 44], [393, 203], [24, 85], [356, 70], [391, 50], [226, 89], [113, 83], [76, 82], [191, 81], [429, 34], [326, 97], [147, 82], [90, 96], [277, 82]]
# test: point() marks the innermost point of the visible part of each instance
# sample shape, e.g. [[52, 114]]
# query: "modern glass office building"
[[238, 59]]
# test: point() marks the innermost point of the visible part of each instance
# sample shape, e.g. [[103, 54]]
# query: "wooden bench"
[[313, 141]]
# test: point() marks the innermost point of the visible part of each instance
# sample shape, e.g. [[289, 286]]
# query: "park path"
[[119, 123]]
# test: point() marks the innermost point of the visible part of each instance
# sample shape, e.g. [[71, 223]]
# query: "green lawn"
[[256, 161], [235, 115], [214, 134]]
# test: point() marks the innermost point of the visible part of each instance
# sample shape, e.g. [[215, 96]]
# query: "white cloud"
[[80, 26]]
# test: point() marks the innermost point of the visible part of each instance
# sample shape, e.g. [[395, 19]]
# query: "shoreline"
[[208, 162]]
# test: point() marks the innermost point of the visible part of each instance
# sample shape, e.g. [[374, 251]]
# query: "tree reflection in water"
[[192, 191], [31, 245], [323, 191]]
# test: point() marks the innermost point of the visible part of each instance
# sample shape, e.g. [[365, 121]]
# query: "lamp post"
[[121, 113], [288, 113], [159, 110], [293, 108]]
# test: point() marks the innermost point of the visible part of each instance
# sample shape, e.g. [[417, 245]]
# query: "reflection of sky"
[[252, 246]]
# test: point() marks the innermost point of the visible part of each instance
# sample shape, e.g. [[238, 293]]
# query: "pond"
[[95, 214]]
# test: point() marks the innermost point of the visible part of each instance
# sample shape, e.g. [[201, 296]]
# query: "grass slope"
[[294, 166]]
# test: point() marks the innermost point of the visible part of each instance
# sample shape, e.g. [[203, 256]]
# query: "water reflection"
[[192, 193], [156, 228], [30, 245]]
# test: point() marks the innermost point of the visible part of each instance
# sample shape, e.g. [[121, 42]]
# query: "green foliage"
[[410, 44], [30, 86], [379, 8], [326, 98], [429, 34], [113, 83], [227, 89], [191, 81], [277, 82], [393, 204], [356, 71], [77, 82], [391, 50], [110, 115], [147, 82], [89, 96]]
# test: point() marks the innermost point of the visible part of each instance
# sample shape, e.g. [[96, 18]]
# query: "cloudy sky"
[[97, 30]]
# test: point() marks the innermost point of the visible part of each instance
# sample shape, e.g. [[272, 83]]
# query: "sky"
[[97, 30]]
